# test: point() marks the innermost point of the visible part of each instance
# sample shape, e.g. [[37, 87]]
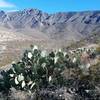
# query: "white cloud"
[[5, 4]]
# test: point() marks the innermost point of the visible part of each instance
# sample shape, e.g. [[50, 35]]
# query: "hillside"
[[60, 26], [20, 29]]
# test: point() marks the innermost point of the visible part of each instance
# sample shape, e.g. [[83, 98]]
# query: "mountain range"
[[61, 26]]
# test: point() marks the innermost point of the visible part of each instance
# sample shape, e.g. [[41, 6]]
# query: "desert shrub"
[[95, 73], [98, 50]]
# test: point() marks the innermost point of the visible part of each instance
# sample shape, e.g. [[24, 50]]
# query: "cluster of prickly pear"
[[38, 69]]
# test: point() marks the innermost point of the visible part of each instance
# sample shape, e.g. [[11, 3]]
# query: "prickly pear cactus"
[[38, 69]]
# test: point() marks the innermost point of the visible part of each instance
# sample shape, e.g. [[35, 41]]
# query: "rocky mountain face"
[[70, 26]]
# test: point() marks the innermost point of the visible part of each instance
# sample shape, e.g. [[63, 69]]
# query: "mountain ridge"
[[69, 26]]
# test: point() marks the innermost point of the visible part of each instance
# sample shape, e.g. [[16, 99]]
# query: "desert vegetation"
[[53, 75]]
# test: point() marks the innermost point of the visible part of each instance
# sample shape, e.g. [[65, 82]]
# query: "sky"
[[50, 6]]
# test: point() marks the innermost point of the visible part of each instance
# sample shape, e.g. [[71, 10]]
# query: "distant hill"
[[66, 26]]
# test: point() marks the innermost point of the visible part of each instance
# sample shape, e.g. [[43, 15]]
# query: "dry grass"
[[15, 49]]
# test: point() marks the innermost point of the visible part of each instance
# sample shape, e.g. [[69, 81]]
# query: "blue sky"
[[50, 6]]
